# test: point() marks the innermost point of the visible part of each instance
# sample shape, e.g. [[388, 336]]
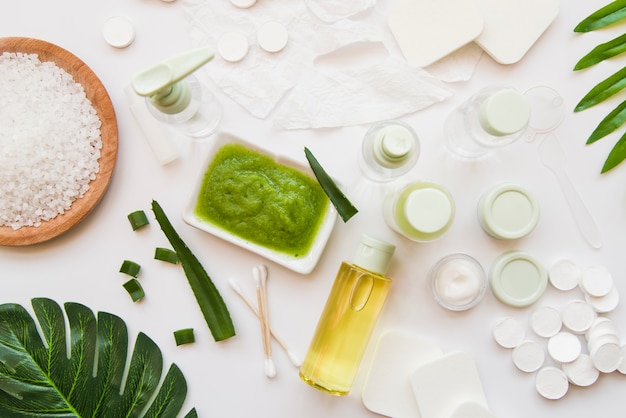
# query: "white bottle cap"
[[508, 211], [428, 210], [505, 112], [517, 279], [373, 255]]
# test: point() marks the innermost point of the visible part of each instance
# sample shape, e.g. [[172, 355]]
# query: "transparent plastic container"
[[389, 150], [493, 117]]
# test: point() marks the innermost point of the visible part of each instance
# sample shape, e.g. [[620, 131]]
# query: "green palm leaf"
[[41, 378], [607, 15]]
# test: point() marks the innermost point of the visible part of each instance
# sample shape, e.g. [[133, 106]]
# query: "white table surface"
[[227, 379]]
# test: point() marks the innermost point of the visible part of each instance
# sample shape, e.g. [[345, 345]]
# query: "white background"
[[227, 379]]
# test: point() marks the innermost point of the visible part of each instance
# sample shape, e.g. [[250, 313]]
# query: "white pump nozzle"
[[159, 82]]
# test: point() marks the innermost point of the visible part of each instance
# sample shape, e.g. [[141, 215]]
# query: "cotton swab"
[[294, 359], [260, 278]]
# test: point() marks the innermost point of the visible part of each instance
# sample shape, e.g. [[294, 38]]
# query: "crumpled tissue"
[[295, 88]]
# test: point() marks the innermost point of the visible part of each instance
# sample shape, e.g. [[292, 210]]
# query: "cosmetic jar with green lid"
[[508, 211], [421, 211], [517, 279]]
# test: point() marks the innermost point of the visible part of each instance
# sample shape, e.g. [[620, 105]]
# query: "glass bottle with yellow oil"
[[348, 319]]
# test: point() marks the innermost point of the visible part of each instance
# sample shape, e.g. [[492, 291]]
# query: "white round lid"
[[509, 211], [272, 36], [118, 31], [232, 46], [517, 279], [428, 210], [505, 112]]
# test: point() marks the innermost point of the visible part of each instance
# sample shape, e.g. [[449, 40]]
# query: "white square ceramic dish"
[[302, 264]]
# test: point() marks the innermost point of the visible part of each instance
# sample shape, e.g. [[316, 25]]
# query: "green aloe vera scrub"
[[255, 198]]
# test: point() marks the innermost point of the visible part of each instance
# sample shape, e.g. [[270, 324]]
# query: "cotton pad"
[[118, 31]]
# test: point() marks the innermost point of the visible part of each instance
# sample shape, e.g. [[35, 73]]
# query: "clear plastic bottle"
[[348, 319], [491, 118], [389, 149], [199, 118]]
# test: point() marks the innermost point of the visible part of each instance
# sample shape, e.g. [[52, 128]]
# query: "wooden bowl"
[[101, 102]]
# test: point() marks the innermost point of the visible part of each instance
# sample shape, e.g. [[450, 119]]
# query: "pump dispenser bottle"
[[175, 96], [348, 319]]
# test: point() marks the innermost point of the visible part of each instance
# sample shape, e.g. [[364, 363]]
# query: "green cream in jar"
[[261, 201]]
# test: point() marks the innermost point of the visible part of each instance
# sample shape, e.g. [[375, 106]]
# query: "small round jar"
[[508, 211], [517, 279], [389, 149], [420, 211], [458, 282]]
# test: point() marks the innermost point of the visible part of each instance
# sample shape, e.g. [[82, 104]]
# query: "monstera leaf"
[[83, 375]]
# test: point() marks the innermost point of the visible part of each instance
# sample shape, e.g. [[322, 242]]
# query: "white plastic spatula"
[[552, 157]]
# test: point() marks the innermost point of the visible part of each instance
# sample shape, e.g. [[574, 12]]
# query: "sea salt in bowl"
[[35, 175], [243, 189]]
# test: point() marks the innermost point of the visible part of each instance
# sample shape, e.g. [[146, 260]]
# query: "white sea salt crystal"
[[50, 140]]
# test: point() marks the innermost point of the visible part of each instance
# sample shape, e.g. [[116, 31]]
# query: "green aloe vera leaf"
[[610, 123], [344, 206], [605, 16], [209, 299], [616, 156], [603, 90], [602, 52], [80, 373]]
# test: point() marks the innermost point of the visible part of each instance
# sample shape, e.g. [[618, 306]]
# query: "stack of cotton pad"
[[428, 30], [411, 377], [581, 342]]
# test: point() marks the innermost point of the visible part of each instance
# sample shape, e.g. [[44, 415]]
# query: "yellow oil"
[[344, 329]]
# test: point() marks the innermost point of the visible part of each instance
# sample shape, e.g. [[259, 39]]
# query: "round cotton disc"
[[545, 321], [508, 332], [528, 356], [564, 347], [118, 31], [232, 46], [565, 275], [272, 36], [622, 365], [551, 383], [596, 281], [606, 357], [578, 316], [581, 372], [606, 303]]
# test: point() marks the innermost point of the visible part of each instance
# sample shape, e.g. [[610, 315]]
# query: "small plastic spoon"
[[552, 157], [547, 109]]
